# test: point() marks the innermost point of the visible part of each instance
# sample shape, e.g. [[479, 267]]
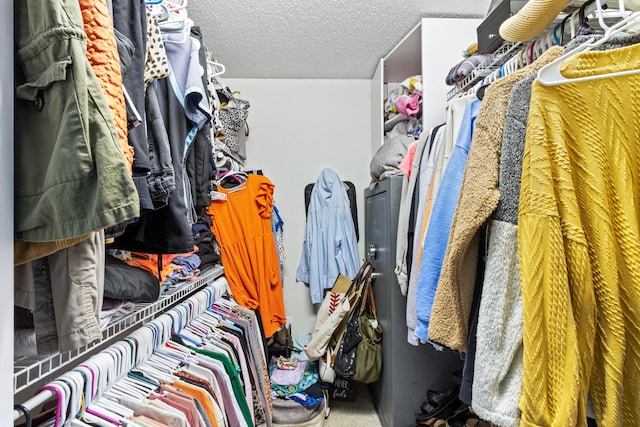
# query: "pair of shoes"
[[462, 418], [438, 404], [477, 422], [433, 422]]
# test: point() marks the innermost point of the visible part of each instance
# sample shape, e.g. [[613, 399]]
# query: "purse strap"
[[362, 277], [367, 297]]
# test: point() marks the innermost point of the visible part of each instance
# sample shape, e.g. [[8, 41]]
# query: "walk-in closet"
[[286, 214]]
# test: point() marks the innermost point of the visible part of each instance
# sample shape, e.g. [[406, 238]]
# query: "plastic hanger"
[[550, 74], [25, 413], [75, 383], [61, 407], [178, 35], [214, 68], [177, 347], [113, 409]]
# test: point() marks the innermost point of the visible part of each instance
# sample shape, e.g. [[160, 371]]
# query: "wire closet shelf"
[[33, 369]]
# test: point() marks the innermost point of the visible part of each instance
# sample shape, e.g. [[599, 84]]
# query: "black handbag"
[[345, 361]]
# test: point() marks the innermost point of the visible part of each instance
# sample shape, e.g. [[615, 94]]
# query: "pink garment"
[[409, 105], [407, 160]]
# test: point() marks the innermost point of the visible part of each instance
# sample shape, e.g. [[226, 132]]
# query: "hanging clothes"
[[478, 199], [497, 381], [102, 52], [431, 170], [330, 245], [130, 23], [184, 113], [63, 191], [417, 217], [242, 226], [440, 218], [579, 219], [64, 291]]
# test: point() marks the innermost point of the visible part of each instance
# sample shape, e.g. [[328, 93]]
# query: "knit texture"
[[579, 242], [497, 380], [478, 199], [102, 53], [497, 383], [534, 17], [24, 252]]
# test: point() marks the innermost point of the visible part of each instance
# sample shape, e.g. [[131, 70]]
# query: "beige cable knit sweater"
[[479, 197]]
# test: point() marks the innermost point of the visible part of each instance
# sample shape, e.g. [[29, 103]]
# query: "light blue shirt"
[[442, 211], [330, 246]]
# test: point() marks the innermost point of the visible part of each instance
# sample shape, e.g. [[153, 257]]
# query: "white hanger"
[[550, 74], [183, 34], [214, 68]]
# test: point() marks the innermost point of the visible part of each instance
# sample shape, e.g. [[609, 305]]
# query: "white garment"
[[424, 175], [454, 114], [406, 200], [497, 379]]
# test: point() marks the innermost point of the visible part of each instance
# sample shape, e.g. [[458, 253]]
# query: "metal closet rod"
[[45, 395]]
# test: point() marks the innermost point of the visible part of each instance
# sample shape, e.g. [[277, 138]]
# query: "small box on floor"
[[343, 389]]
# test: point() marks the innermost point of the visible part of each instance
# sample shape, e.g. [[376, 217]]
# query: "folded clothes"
[[287, 374], [465, 67]]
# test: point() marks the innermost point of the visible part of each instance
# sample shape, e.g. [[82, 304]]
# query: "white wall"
[[299, 127], [6, 227]]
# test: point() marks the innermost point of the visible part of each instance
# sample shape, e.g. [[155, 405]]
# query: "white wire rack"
[[499, 57], [30, 370]]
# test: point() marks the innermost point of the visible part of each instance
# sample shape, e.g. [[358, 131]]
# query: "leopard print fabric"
[[157, 64]]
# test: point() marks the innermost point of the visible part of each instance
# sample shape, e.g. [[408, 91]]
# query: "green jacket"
[[71, 176]]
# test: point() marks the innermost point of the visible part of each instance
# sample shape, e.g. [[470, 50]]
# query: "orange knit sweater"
[[102, 53]]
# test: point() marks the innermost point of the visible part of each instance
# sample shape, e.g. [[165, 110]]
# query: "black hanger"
[[586, 29], [25, 412], [481, 91]]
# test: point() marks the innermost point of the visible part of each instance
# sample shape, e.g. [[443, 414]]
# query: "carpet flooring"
[[359, 413]]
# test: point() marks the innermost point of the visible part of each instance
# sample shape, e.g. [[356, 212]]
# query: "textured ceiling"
[[314, 39]]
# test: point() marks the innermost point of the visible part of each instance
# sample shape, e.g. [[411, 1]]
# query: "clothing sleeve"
[[554, 389], [346, 248], [557, 290], [312, 258], [439, 226], [435, 242]]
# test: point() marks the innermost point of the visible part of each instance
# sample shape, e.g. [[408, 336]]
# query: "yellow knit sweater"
[[579, 240]]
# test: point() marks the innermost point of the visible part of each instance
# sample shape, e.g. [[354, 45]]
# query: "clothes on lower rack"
[[152, 378]]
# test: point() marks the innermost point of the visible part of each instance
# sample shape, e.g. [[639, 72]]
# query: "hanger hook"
[[25, 412], [581, 13]]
